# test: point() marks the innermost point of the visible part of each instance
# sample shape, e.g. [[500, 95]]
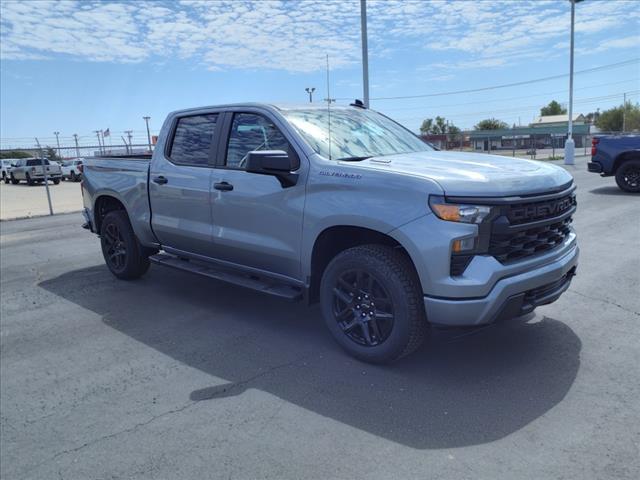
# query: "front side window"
[[250, 132], [192, 140], [353, 133]]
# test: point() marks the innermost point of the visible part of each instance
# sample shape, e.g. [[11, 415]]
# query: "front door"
[[180, 185], [257, 221]]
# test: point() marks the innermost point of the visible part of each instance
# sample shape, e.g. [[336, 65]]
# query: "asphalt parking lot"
[[174, 376]]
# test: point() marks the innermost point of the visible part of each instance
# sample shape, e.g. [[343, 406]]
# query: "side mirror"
[[277, 163]]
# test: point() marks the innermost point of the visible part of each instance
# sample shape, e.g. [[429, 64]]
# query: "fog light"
[[464, 245]]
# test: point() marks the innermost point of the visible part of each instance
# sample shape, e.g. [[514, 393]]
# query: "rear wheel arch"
[[103, 205], [623, 157], [336, 239]]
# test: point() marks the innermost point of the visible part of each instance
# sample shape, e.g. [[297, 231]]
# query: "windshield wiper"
[[353, 159]]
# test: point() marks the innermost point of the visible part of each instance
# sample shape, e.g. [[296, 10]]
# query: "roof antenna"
[[329, 100]]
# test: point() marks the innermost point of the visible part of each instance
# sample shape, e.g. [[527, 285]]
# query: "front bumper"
[[512, 296]]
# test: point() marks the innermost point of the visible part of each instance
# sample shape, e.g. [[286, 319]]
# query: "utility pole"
[[75, 139], [146, 119], [58, 142], [129, 132], [365, 52], [310, 91], [624, 112], [46, 177], [97, 132]]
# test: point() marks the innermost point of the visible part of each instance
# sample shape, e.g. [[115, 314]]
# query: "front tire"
[[56, 181], [14, 181], [372, 303], [628, 176], [73, 177], [122, 252], [30, 182]]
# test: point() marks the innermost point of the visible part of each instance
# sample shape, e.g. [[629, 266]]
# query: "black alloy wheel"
[[363, 308], [628, 176], [114, 247], [372, 303]]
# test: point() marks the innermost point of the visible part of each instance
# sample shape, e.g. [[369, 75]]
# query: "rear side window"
[[192, 140]]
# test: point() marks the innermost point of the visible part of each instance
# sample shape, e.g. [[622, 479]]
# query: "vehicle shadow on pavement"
[[464, 387], [609, 190]]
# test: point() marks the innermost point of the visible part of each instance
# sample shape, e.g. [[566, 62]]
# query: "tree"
[[15, 154], [612, 120], [439, 126], [554, 108], [491, 124], [50, 153]]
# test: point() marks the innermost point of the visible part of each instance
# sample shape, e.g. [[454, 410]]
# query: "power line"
[[515, 84], [494, 100], [530, 107]]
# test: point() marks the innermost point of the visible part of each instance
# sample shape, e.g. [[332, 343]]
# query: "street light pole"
[[75, 139], [569, 146], [58, 142], [310, 91], [365, 52], [146, 120]]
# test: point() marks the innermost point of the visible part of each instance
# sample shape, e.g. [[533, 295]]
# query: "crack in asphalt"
[[604, 300], [228, 388]]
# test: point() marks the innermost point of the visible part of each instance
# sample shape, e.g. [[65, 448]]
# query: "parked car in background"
[[6, 166], [31, 171], [620, 156], [71, 170], [387, 234]]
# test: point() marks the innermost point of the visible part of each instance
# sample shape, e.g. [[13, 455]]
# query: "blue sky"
[[80, 66]]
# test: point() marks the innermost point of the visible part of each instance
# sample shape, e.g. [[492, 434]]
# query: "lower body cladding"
[[510, 297]]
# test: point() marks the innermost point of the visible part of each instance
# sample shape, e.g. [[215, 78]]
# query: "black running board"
[[260, 284]]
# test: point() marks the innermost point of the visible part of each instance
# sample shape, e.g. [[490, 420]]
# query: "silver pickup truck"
[[32, 171], [344, 207]]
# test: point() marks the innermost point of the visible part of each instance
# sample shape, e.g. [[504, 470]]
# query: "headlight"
[[458, 212]]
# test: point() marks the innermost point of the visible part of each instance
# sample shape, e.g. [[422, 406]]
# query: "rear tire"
[[56, 181], [372, 303], [122, 252], [628, 176], [73, 177]]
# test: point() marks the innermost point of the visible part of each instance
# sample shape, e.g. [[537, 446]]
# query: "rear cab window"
[[192, 140]]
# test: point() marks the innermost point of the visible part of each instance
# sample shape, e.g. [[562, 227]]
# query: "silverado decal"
[[352, 176]]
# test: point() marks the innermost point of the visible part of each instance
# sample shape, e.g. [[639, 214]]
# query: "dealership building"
[[544, 132]]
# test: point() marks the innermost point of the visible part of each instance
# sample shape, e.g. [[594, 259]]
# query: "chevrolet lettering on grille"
[[544, 210]]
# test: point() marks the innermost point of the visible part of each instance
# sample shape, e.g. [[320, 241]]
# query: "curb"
[[26, 217]]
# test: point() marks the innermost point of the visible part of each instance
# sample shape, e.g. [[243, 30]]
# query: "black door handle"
[[224, 186], [160, 180]]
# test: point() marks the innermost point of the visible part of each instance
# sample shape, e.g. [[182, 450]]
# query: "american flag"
[[106, 133]]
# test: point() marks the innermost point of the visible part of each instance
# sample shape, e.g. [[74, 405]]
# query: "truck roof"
[[269, 106]]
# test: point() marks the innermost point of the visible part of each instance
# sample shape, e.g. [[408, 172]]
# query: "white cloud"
[[295, 35]]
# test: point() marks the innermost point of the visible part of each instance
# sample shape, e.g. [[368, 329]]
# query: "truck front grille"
[[531, 228]]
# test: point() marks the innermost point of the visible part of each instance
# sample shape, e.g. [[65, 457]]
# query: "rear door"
[[257, 222], [180, 184]]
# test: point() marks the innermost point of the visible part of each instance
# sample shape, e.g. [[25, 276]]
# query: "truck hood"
[[474, 174]]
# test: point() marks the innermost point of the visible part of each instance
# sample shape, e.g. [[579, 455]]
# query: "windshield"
[[355, 133]]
